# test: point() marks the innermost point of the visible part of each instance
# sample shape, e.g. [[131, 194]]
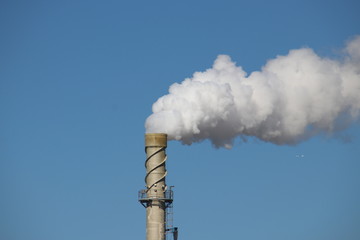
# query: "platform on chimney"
[[146, 198]]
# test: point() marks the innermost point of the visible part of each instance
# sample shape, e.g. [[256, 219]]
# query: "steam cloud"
[[291, 99]]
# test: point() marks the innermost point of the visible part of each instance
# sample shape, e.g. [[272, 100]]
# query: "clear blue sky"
[[77, 81]]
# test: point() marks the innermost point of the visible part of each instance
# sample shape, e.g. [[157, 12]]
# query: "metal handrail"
[[145, 195]]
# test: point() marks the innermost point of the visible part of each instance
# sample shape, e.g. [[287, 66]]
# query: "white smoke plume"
[[292, 98]]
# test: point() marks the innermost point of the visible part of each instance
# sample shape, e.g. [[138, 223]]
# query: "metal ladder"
[[171, 231]]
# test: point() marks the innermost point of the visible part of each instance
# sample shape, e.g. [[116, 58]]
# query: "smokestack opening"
[[155, 140]]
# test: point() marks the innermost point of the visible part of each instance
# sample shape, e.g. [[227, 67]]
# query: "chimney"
[[156, 198]]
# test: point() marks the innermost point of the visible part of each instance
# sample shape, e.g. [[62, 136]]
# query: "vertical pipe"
[[155, 145]]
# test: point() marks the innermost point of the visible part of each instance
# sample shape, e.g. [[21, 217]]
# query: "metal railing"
[[145, 195]]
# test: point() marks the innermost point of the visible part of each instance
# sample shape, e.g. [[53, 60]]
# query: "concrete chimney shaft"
[[155, 145]]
